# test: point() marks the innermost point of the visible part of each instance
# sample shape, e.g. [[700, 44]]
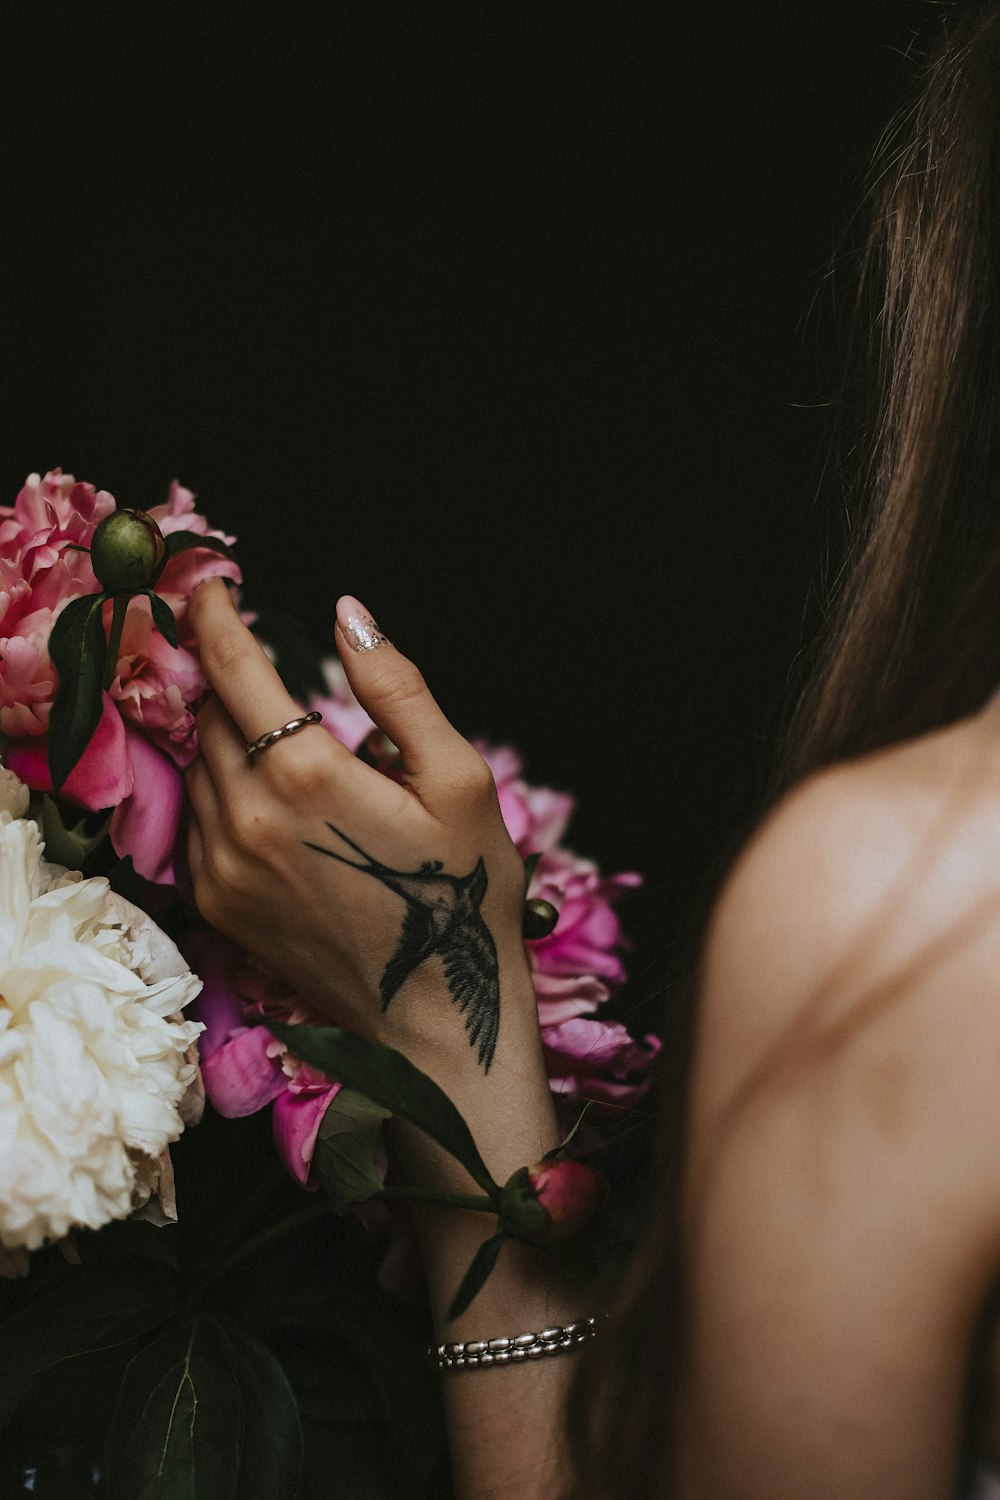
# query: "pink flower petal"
[[296, 1119], [242, 1075], [220, 1006], [103, 776], [145, 824]]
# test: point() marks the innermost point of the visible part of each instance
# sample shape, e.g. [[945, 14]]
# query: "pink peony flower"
[[39, 574], [148, 729], [535, 816], [342, 714], [598, 1060], [244, 1066]]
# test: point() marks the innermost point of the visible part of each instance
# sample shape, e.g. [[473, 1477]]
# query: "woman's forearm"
[[506, 1422]]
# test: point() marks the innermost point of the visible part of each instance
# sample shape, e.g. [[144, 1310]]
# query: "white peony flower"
[[96, 1064]]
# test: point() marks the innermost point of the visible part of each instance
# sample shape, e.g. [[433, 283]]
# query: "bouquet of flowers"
[[242, 1352]]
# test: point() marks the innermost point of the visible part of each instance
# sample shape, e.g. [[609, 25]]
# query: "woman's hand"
[[378, 902]]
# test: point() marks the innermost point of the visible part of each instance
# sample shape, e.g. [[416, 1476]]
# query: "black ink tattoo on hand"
[[443, 917]]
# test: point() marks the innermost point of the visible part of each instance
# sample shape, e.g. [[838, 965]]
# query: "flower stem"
[[115, 637], [431, 1195], [259, 1241]]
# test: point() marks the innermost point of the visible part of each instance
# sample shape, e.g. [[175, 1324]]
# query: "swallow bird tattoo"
[[443, 917]]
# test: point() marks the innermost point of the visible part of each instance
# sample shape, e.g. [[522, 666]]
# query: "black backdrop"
[[496, 315]]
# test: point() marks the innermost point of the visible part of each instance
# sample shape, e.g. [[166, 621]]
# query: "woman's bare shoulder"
[[861, 925], [874, 858], [843, 1179]]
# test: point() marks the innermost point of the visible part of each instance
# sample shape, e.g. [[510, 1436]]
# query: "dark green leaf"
[[179, 1427], [558, 1150], [205, 1413], [384, 1075], [67, 843], [272, 1438], [183, 541], [77, 647], [86, 1310], [530, 866], [298, 663], [347, 1147], [476, 1276], [163, 617]]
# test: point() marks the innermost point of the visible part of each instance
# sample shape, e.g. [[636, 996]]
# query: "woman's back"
[[842, 1205]]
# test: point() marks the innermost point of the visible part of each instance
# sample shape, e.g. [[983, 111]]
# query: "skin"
[[843, 1189], [328, 929]]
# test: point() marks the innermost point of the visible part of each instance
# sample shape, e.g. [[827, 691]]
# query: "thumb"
[[393, 692]]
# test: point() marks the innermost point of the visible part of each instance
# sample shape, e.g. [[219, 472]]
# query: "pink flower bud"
[[551, 1201]]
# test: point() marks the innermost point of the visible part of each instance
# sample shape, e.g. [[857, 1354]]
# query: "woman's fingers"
[[236, 666], [394, 693]]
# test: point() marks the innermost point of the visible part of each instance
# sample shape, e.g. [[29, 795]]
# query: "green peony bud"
[[540, 918], [127, 551]]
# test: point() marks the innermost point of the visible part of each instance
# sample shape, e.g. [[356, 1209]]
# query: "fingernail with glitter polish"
[[358, 625]]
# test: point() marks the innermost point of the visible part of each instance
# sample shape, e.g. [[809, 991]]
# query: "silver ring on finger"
[[263, 741]]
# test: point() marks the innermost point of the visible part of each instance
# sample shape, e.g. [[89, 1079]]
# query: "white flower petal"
[[95, 1059]]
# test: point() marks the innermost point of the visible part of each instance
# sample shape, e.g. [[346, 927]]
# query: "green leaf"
[[163, 617], [476, 1276], [85, 1311], [179, 1426], [296, 659], [66, 843], [530, 866], [183, 541], [347, 1147], [204, 1413], [272, 1438], [77, 647], [385, 1076], [558, 1150]]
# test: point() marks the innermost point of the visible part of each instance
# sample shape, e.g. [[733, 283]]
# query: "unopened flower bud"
[[551, 1200], [540, 918], [127, 551]]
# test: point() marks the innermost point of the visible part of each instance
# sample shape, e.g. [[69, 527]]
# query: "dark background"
[[501, 316]]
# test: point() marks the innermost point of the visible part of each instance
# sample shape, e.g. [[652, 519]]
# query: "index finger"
[[236, 664]]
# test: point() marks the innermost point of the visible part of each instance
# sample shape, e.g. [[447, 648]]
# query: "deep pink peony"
[[243, 1064], [535, 816], [147, 730]]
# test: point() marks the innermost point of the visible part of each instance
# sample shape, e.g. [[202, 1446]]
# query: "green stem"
[[115, 636], [258, 1242], [452, 1200]]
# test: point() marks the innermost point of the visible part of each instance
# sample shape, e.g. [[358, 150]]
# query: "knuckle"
[[470, 777], [399, 684], [304, 768], [225, 653], [250, 825]]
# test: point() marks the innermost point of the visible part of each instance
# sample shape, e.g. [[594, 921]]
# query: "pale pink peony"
[[39, 574], [342, 714], [147, 730]]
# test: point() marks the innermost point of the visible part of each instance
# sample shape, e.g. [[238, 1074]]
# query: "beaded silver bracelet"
[[477, 1354]]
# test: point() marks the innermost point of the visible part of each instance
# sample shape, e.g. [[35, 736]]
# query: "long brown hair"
[[912, 634]]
